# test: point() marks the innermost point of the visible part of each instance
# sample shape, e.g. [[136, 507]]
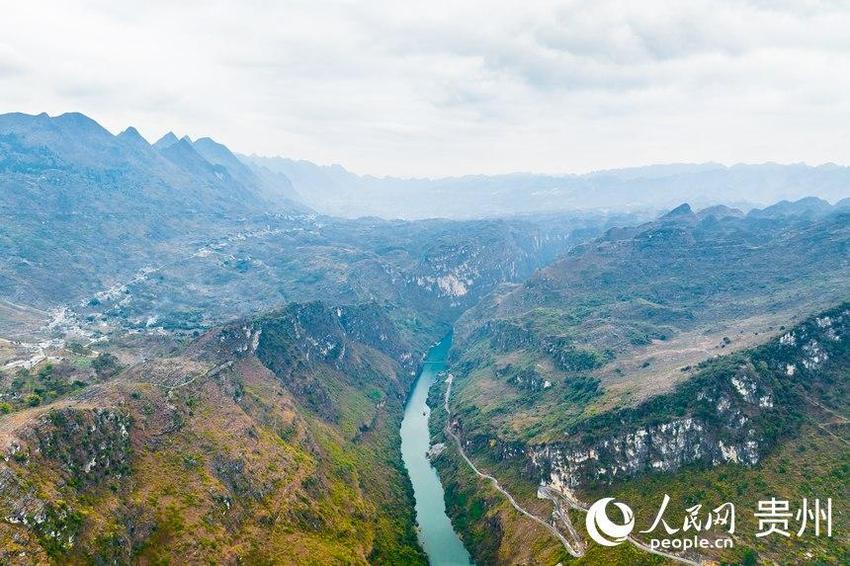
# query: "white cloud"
[[445, 87]]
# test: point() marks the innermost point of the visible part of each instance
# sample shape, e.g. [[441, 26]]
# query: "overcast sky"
[[432, 88]]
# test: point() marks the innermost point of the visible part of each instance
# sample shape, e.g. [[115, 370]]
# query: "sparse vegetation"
[[276, 435]]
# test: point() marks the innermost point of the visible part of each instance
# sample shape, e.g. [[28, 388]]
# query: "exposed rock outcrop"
[[733, 410]]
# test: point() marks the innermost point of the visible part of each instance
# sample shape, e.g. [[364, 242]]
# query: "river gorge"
[[436, 535]]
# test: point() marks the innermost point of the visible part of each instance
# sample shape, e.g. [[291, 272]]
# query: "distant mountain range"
[[224, 235], [204, 175], [72, 194], [337, 191], [70, 158]]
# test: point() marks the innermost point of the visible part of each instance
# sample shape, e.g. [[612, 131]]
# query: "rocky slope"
[[627, 316], [435, 269], [667, 351], [748, 415], [182, 234], [103, 205], [733, 409], [139, 425], [274, 436]]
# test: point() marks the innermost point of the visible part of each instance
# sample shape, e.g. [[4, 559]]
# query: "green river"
[[436, 535]]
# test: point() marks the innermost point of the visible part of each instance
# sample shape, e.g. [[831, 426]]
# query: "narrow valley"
[[436, 534]]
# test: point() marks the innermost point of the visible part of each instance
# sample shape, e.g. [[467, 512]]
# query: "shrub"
[[105, 364]]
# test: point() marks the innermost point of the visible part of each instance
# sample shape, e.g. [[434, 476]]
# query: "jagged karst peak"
[[212, 150], [182, 151], [219, 154], [132, 134], [184, 142], [683, 209], [165, 141], [183, 154]]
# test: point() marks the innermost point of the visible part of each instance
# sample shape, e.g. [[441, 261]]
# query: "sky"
[[448, 88]]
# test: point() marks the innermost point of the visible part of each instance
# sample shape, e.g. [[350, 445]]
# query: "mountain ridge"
[[175, 310], [332, 189]]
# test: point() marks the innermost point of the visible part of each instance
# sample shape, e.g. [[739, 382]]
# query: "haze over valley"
[[383, 283], [231, 321], [335, 190]]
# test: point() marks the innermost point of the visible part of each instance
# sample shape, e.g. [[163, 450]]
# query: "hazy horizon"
[[551, 173], [544, 173]]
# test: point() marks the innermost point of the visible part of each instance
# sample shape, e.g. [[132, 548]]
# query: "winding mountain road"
[[579, 551], [548, 493]]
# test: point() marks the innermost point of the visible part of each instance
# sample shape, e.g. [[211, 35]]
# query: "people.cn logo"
[[605, 531]]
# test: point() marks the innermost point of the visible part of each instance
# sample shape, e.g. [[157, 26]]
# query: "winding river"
[[436, 535]]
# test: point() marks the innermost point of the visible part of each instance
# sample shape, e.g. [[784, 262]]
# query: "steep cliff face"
[[734, 409], [662, 448], [300, 338], [316, 331]]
